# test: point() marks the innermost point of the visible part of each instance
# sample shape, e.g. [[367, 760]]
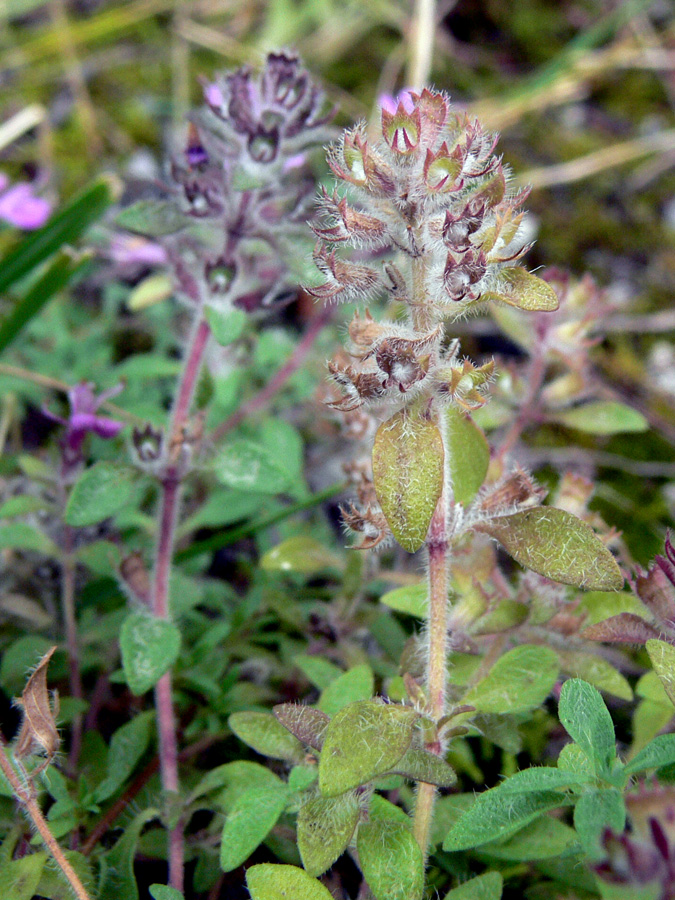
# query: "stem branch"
[[27, 798]]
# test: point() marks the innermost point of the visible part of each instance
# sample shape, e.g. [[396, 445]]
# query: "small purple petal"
[[390, 103], [294, 162], [82, 423], [130, 250], [82, 400], [21, 208], [107, 428], [214, 96]]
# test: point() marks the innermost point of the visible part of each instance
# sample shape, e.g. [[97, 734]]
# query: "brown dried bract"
[[38, 730]]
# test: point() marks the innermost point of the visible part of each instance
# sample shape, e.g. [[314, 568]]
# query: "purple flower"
[[20, 207], [132, 251], [84, 420], [390, 103]]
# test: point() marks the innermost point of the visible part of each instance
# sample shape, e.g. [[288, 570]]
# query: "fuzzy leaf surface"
[[468, 455], [390, 857], [557, 545], [519, 681], [408, 475], [149, 646], [518, 287], [420, 765], [325, 828], [100, 492], [364, 740], [263, 732], [498, 814], [544, 838], [19, 878], [624, 628], [595, 811], [596, 671], [272, 882], [250, 819], [307, 724], [357, 683], [300, 553], [658, 752], [412, 599], [586, 719], [484, 887], [662, 656]]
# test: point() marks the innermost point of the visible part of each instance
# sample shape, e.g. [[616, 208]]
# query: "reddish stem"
[[170, 498], [277, 382]]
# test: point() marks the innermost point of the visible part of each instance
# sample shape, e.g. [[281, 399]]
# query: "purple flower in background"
[[390, 103], [84, 420], [20, 207]]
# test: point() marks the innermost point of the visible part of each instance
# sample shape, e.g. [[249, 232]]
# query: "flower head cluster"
[[431, 191], [227, 233], [21, 207]]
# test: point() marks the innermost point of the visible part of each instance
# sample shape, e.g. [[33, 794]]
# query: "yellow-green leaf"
[[468, 455], [557, 545], [408, 475], [662, 656], [518, 287], [325, 828]]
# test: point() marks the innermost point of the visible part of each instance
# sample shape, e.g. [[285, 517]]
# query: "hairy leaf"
[[518, 287], [390, 857], [541, 839], [250, 819], [484, 887], [586, 719], [364, 740], [325, 828], [595, 811], [420, 765], [127, 746], [307, 724], [626, 628], [263, 732], [657, 753], [596, 671], [412, 599], [149, 646], [662, 656], [519, 681], [300, 553], [557, 545], [19, 878], [271, 882], [408, 475], [468, 454], [498, 814]]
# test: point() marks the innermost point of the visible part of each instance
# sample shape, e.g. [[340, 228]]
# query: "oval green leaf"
[[408, 475], [263, 732], [603, 417], [390, 857], [662, 656], [557, 545], [325, 828], [250, 819], [518, 287], [99, 493], [149, 646], [518, 682], [364, 740], [468, 454], [272, 882]]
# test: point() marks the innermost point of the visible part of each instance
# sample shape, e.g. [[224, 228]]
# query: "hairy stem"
[[436, 675], [26, 797], [168, 514]]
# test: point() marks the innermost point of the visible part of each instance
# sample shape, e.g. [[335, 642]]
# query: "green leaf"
[[573, 759], [153, 289], [226, 325], [164, 892], [586, 719], [517, 287], [119, 881], [20, 657], [544, 838], [357, 683], [603, 417], [61, 272], [149, 646], [250, 819], [662, 656], [19, 878], [127, 746], [152, 218], [557, 545], [321, 672], [390, 857], [484, 887], [22, 536], [498, 814], [596, 671], [595, 811], [468, 455], [412, 599], [408, 475], [542, 778], [101, 491], [53, 883], [65, 227], [300, 778], [271, 882], [419, 765], [364, 740], [518, 682], [233, 779], [302, 554], [263, 732], [249, 466], [325, 828], [658, 752]]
